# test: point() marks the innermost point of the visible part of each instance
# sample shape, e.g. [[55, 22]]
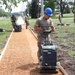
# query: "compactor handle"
[[47, 31]]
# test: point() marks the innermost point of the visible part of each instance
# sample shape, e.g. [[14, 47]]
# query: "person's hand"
[[41, 29], [53, 32]]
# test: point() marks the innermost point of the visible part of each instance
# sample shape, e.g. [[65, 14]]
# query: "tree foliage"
[[50, 3], [73, 9], [34, 9], [9, 3], [3, 13], [64, 6]]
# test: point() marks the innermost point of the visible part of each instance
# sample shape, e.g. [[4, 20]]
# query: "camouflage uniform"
[[45, 24], [13, 20], [26, 21], [59, 17]]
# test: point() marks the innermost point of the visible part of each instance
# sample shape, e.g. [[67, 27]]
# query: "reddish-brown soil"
[[20, 56]]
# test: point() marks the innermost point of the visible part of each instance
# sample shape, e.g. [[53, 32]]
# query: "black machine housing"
[[17, 28], [48, 60]]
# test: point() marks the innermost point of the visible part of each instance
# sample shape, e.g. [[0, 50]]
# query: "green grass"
[[5, 24], [32, 22], [71, 53], [65, 34], [72, 43], [66, 15]]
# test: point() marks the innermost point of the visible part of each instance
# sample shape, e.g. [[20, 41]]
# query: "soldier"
[[13, 20], [26, 21], [42, 23], [59, 17]]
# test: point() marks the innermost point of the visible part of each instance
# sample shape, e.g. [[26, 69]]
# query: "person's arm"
[[52, 27], [37, 28], [15, 18]]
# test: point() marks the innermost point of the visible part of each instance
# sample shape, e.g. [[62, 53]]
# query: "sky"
[[20, 7]]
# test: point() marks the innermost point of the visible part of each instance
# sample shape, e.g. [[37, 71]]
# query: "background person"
[[59, 17], [27, 21], [13, 20]]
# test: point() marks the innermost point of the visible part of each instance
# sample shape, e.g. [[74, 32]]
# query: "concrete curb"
[[33, 33], [62, 69], [2, 53]]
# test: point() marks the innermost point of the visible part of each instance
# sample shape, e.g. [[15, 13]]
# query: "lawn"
[[65, 35], [5, 24]]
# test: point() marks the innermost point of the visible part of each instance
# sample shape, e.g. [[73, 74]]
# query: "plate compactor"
[[17, 28], [48, 60]]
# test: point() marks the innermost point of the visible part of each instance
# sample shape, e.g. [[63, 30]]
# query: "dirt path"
[[20, 56]]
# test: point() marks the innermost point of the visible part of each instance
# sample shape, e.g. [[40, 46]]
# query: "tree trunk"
[[61, 8], [74, 18]]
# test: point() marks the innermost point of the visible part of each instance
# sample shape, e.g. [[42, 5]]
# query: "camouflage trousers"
[[40, 41]]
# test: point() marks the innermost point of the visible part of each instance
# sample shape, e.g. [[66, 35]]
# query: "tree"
[[67, 9], [3, 13], [60, 3], [64, 7], [9, 3], [34, 9], [50, 3], [73, 10]]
